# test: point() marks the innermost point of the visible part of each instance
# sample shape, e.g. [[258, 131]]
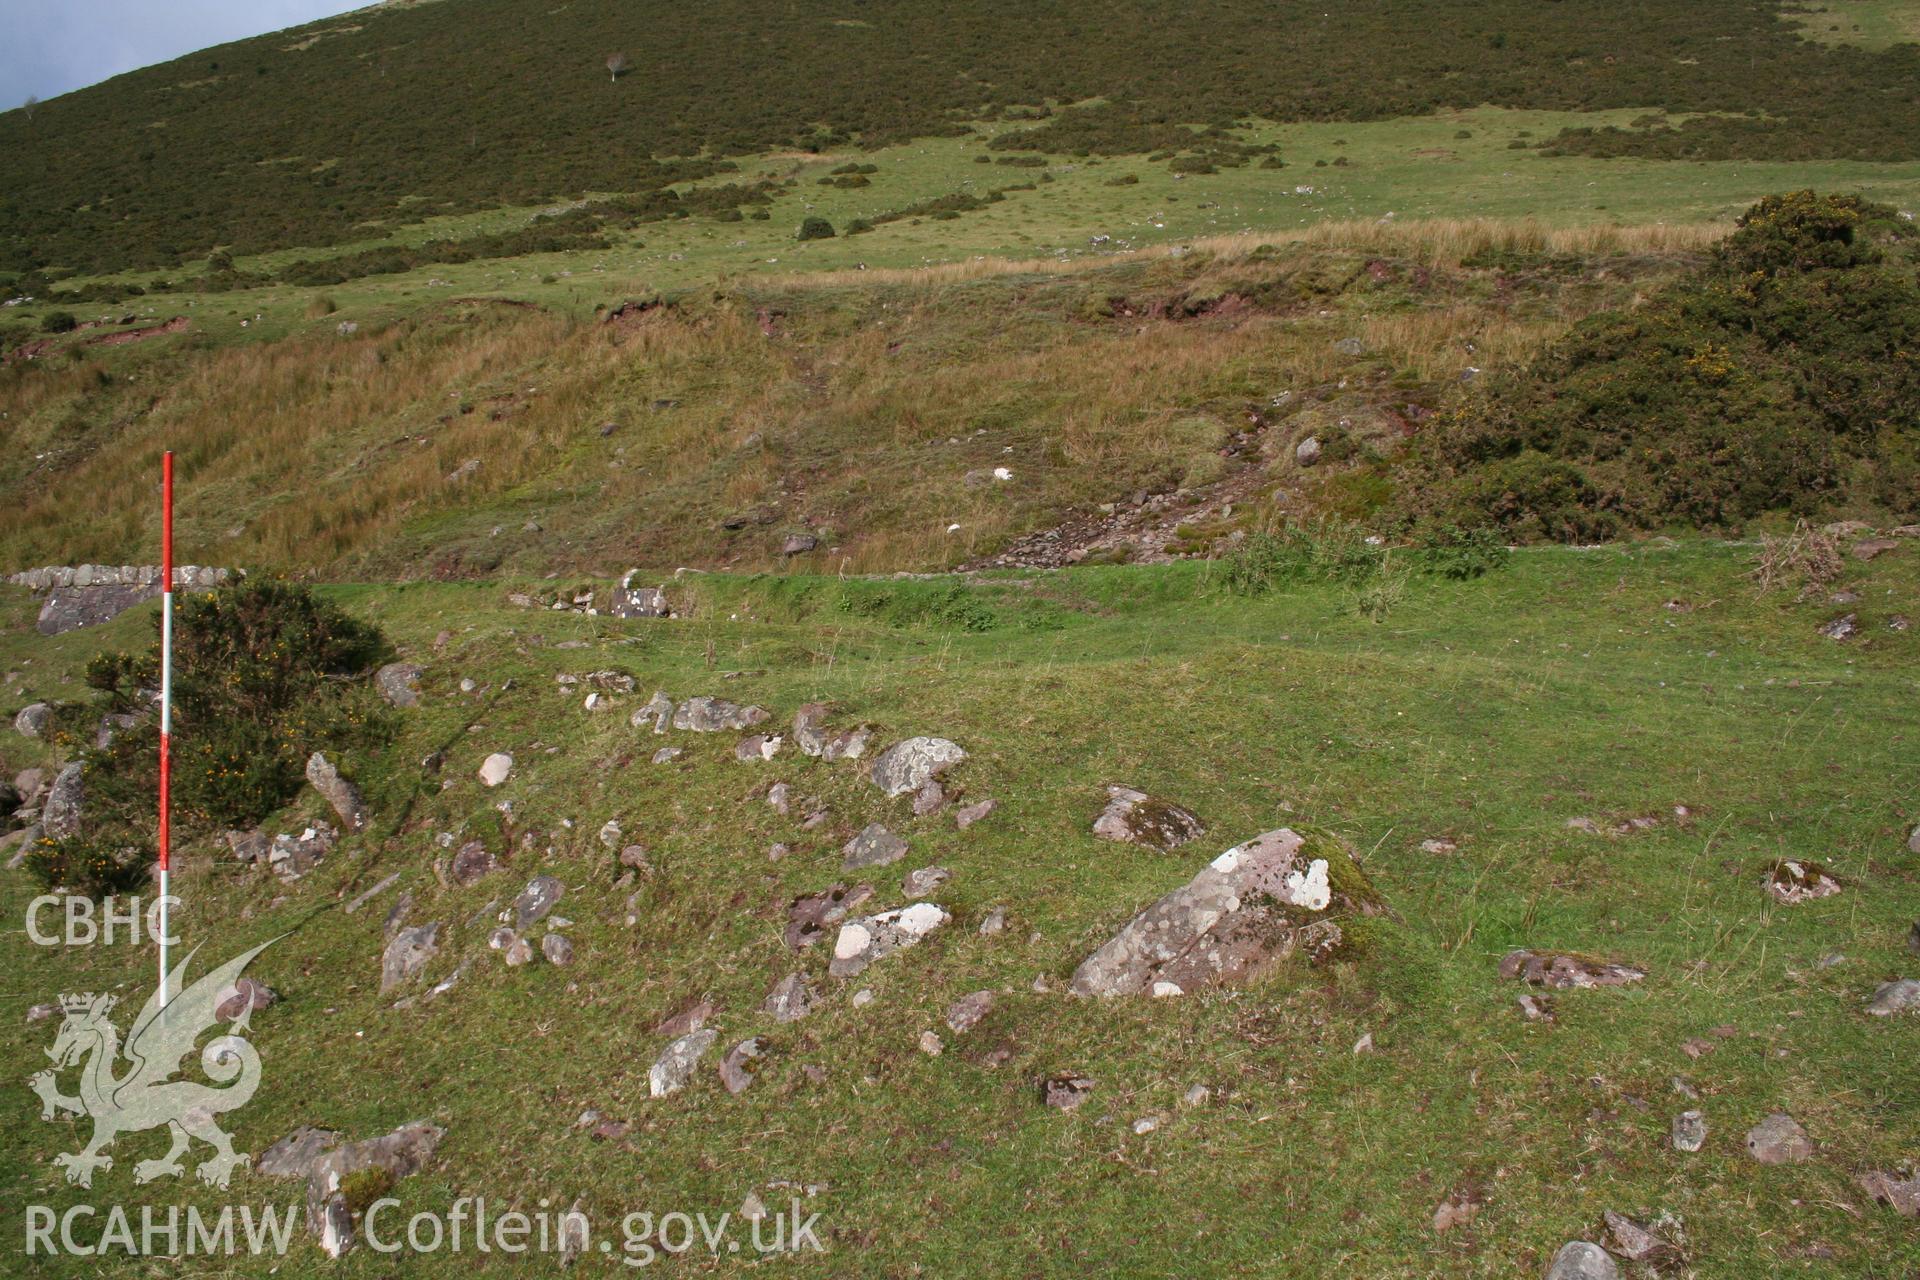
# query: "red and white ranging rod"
[[166, 697]]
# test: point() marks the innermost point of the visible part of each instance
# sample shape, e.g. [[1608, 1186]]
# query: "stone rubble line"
[[54, 577]]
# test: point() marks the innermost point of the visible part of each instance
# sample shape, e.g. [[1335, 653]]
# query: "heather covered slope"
[[318, 135]]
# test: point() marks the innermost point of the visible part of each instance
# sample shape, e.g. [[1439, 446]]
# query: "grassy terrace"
[[1604, 684]]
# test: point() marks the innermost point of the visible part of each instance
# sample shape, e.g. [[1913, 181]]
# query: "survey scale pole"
[[166, 698]]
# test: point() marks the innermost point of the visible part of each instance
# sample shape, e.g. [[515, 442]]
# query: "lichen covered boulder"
[[1278, 895]]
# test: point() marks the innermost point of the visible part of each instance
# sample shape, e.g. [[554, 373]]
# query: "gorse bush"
[[265, 673], [815, 229], [1782, 377]]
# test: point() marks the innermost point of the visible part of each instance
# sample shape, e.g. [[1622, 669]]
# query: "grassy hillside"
[[1604, 685], [868, 409], [325, 133]]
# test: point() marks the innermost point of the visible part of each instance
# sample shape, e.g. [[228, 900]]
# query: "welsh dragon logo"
[[145, 1096]]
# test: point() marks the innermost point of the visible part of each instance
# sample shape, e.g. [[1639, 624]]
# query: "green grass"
[[1603, 684], [1409, 168], [1867, 24]]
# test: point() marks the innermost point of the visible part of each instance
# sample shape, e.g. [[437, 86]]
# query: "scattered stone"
[[41, 1012], [60, 815], [634, 857], [536, 900], [1689, 1132], [741, 1063], [1066, 1092], [1797, 880], [848, 744], [928, 798], [291, 857], [1841, 628], [967, 815], [399, 683], [1134, 817], [575, 1233], [665, 754], [248, 847], [1460, 1207], [1581, 1260], [368, 895], [1145, 1125], [657, 714], [931, 1044], [1779, 1139], [294, 1155], [863, 997], [1913, 837], [1239, 917], [495, 768], [1307, 452], [908, 765], [640, 602], [675, 1066], [1535, 1008], [687, 1021], [810, 728], [791, 999], [716, 715], [32, 719], [1901, 1196], [870, 938], [557, 948], [923, 882], [798, 544], [610, 833], [875, 846], [1364, 1044], [342, 795], [406, 957], [757, 748], [400, 1154], [811, 915], [1351, 346], [243, 997], [1869, 548], [517, 951], [1197, 1095], [965, 1013], [753, 1208], [1439, 846], [1637, 1243], [1890, 998], [501, 938], [780, 798], [995, 922], [1565, 971]]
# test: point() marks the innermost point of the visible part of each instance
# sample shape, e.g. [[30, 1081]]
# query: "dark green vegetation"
[[343, 129], [1606, 684], [1780, 378], [265, 674]]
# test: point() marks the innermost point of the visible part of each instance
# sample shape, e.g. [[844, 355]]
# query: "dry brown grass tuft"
[[1806, 558]]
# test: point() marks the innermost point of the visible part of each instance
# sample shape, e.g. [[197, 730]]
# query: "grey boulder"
[[1239, 917], [675, 1065], [907, 766], [341, 794], [873, 847]]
